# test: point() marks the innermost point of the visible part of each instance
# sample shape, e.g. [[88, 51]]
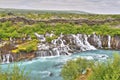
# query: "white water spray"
[[109, 39]]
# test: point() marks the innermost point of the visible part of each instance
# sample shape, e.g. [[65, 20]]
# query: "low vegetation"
[[109, 70], [14, 73], [8, 30], [82, 69], [27, 46], [72, 69]]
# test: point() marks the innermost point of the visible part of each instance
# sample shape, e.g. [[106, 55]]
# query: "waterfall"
[[54, 42], [40, 37], [55, 48], [61, 35], [43, 47], [88, 46], [51, 53], [109, 39], [62, 44], [56, 51], [7, 58], [79, 42], [97, 40], [83, 42]]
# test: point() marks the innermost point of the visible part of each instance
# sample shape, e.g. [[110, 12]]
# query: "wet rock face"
[[93, 40], [100, 42], [105, 42], [9, 57], [118, 43], [24, 56], [115, 42]]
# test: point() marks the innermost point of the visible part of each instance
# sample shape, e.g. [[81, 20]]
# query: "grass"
[[14, 73]]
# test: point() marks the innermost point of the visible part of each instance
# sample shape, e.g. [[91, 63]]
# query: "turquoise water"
[[49, 68]]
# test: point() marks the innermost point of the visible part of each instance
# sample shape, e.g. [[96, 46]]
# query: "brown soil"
[[86, 75]]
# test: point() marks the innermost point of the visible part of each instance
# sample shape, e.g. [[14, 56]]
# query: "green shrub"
[[49, 39], [109, 70], [14, 73], [72, 69]]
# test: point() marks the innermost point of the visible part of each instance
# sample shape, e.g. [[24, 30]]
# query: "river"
[[49, 68]]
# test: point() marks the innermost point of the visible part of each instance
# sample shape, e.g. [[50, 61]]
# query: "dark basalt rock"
[[52, 21], [51, 74]]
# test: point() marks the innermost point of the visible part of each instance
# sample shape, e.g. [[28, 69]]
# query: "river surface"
[[49, 68]]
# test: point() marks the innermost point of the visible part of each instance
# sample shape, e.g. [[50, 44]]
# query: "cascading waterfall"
[[99, 42], [56, 48], [88, 46], [97, 39], [61, 46], [82, 41], [56, 51], [54, 42], [79, 42], [40, 37], [109, 39], [6, 58]]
